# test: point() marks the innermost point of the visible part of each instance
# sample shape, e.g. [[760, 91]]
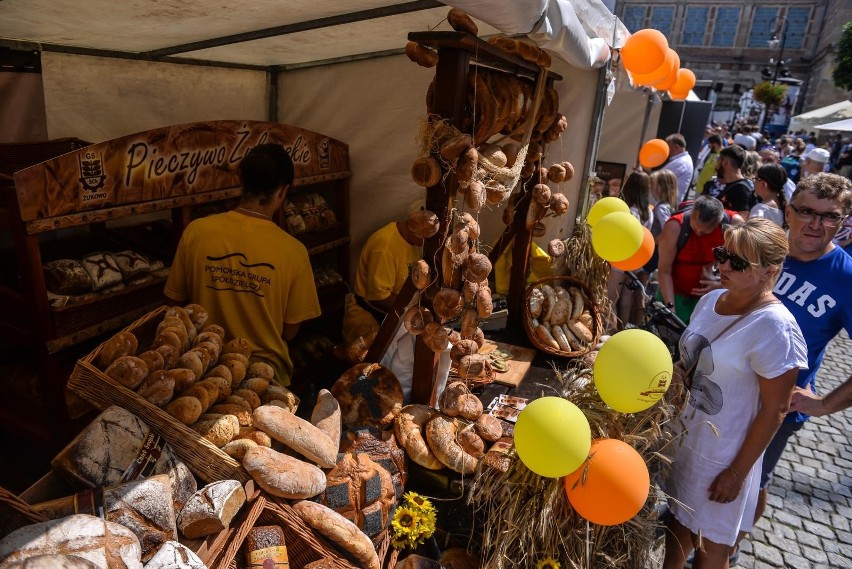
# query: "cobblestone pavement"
[[807, 520]]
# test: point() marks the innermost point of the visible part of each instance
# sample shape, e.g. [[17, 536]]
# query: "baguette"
[[545, 336], [283, 476], [341, 531]]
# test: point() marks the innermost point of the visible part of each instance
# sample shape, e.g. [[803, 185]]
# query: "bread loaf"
[[122, 344], [113, 443], [52, 562], [326, 416], [211, 509], [369, 394], [266, 546], [106, 544], [174, 555], [128, 371], [409, 430], [282, 475], [381, 446], [297, 434], [441, 433], [341, 531]]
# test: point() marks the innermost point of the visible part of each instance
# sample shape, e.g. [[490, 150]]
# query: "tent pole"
[[593, 141], [272, 103]]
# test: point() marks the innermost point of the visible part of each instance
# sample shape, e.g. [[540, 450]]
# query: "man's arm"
[[290, 331], [667, 247], [807, 402]]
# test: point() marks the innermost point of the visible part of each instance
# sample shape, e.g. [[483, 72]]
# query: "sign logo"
[[92, 176]]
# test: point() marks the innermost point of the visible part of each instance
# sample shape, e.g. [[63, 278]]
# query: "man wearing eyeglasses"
[[814, 285]]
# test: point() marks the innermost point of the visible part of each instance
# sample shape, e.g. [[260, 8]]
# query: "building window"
[[762, 27], [725, 27], [797, 25], [634, 18], [661, 19], [695, 25]]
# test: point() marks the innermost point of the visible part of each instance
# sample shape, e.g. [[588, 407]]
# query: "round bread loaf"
[[53, 562], [368, 394], [129, 371], [122, 344], [175, 555], [360, 490], [282, 475], [211, 509]]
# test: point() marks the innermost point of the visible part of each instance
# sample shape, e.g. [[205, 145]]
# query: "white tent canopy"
[[810, 119], [845, 125]]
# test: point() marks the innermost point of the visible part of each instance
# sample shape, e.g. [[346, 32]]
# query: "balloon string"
[[588, 550]]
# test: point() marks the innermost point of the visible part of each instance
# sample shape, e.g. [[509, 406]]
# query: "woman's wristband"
[[736, 474]]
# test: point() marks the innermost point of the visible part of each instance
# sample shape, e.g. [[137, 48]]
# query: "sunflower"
[[418, 503], [406, 523], [399, 542], [548, 563]]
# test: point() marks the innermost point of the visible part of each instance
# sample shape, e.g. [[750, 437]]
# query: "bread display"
[[66, 276], [211, 509], [339, 530], [117, 445], [560, 320], [105, 544]]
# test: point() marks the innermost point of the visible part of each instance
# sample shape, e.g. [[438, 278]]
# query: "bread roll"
[[175, 555], [169, 354], [257, 384], [222, 371], [223, 385], [243, 417], [187, 410], [238, 448], [283, 476], [181, 313], [421, 55], [254, 434], [471, 443], [128, 371], [212, 388], [197, 315], [206, 353], [218, 431], [296, 433], [241, 402], [441, 433], [211, 509], [228, 356], [237, 369], [237, 346], [153, 359], [200, 393], [122, 344], [158, 388], [279, 393], [489, 428], [192, 361], [426, 172], [106, 544], [249, 396]]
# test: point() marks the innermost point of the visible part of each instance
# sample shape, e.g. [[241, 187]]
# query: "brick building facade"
[[727, 41]]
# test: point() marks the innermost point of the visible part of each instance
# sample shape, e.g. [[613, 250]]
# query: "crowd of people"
[[755, 257]]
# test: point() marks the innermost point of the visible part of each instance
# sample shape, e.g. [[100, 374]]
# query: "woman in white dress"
[[748, 350], [769, 187]]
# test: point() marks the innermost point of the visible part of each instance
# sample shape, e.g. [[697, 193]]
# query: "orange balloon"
[[616, 483], [644, 51], [653, 153], [685, 81], [640, 257], [661, 73], [669, 81]]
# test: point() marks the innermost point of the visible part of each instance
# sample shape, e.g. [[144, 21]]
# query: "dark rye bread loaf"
[[101, 454]]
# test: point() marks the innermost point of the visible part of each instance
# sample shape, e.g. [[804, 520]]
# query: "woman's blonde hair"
[[665, 183], [759, 241], [751, 164]]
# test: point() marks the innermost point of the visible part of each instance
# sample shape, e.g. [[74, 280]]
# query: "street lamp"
[[780, 66]]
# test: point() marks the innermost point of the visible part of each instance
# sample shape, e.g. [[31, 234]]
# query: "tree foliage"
[[842, 74]]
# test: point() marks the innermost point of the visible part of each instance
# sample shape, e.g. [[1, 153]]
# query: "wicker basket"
[[201, 456], [587, 301], [15, 513], [304, 545]]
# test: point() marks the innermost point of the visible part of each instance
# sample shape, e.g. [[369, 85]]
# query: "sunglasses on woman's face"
[[737, 263]]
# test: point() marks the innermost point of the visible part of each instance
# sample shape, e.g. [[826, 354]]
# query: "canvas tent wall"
[[346, 80]]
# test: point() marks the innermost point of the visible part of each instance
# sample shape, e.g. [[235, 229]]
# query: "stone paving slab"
[[808, 517]]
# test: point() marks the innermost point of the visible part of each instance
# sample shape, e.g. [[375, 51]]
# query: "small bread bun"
[[122, 344], [170, 356], [426, 172], [187, 410], [421, 55], [158, 388], [184, 378], [237, 346], [423, 223], [197, 315], [261, 369], [215, 329], [153, 359], [461, 22], [447, 304], [129, 371]]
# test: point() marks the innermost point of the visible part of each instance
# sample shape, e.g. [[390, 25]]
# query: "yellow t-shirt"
[[385, 263], [251, 276]]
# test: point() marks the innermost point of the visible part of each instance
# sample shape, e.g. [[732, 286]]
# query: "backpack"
[[685, 228]]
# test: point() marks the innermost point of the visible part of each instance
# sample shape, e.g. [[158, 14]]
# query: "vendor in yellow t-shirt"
[[253, 278], [383, 267]]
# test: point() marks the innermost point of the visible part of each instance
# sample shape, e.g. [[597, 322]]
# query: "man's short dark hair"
[[708, 209], [714, 139], [677, 139], [264, 169], [826, 186], [735, 153]]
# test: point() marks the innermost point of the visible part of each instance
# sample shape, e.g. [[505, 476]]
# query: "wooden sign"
[[167, 163]]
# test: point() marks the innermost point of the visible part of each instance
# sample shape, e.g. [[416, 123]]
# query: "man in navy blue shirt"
[[814, 285]]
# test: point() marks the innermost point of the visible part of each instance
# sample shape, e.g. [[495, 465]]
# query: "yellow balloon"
[[633, 370], [552, 437], [604, 207], [617, 236]]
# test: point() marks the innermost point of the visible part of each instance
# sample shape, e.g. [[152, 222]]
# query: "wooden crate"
[[304, 545], [203, 458]]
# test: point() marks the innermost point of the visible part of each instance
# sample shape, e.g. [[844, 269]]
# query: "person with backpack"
[[686, 253], [738, 194]]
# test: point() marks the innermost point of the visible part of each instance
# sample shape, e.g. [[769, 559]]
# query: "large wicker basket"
[[304, 545], [588, 300], [201, 456]]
